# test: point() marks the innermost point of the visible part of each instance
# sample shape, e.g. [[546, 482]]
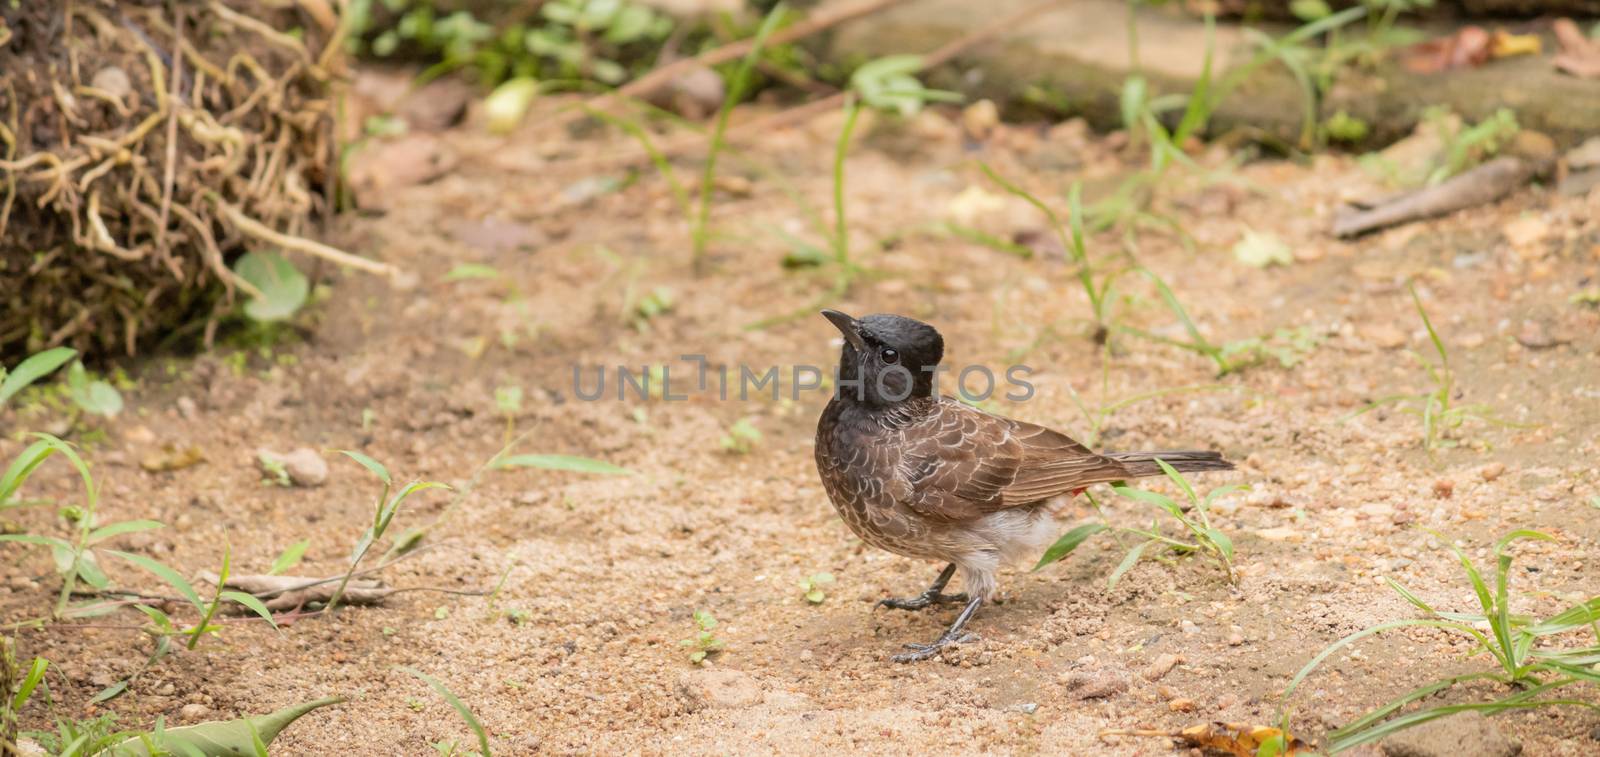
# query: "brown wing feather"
[[962, 463], [1055, 464]]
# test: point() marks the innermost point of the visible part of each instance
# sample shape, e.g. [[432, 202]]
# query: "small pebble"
[[194, 711], [1181, 705], [1159, 667], [1443, 488], [1235, 639], [1492, 471]]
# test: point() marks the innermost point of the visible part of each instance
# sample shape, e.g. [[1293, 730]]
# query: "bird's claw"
[[921, 652], [922, 601]]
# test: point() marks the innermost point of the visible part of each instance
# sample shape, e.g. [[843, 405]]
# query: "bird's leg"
[[951, 636], [930, 597]]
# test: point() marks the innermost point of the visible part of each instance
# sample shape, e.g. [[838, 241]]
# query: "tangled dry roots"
[[144, 145]]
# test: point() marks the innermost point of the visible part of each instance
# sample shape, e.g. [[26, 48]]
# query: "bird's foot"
[[923, 600], [921, 652]]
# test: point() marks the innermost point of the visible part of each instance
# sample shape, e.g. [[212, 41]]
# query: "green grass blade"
[[736, 91], [34, 368], [1128, 561], [369, 463], [256, 606], [125, 527], [461, 708], [29, 683], [1069, 542], [165, 573], [290, 557]]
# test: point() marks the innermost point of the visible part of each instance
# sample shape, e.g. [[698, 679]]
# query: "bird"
[[930, 477]]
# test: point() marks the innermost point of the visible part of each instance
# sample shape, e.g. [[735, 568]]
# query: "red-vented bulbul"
[[926, 476]]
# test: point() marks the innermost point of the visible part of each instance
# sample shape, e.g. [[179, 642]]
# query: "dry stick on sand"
[[1480, 186]]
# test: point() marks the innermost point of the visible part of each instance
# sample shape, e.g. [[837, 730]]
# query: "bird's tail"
[[1142, 464]]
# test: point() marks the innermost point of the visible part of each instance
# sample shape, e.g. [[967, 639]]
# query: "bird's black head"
[[886, 358]]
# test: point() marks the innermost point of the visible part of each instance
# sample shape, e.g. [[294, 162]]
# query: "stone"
[[304, 466], [1159, 667], [194, 712], [1099, 685], [1468, 734], [719, 689]]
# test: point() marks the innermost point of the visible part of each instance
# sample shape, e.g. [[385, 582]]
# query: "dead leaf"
[[1261, 249], [284, 593], [1468, 47], [1238, 739], [1579, 56], [1504, 44], [172, 458]]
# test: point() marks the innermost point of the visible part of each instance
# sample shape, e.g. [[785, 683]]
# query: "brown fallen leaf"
[[1579, 56], [1238, 739], [172, 458], [1469, 46]]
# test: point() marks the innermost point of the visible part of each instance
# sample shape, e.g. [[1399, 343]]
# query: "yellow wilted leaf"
[[1506, 44], [1238, 739]]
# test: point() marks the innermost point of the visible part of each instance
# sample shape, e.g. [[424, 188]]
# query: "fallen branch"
[[281, 593], [1479, 186]]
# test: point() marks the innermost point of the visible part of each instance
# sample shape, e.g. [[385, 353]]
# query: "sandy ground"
[[605, 571]]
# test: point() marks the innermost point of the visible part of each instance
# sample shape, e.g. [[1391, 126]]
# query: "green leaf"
[[283, 288], [1154, 498], [461, 709], [371, 464], [251, 602], [561, 462], [1224, 544], [31, 370], [1310, 10], [1409, 597], [1128, 561], [22, 467], [125, 527], [1068, 542], [93, 396], [29, 683], [290, 557], [467, 271], [89, 570], [167, 574], [109, 692], [43, 541]]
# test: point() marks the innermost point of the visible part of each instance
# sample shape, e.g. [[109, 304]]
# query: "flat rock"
[[1468, 734], [719, 689]]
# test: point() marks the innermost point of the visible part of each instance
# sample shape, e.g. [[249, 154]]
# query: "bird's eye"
[[889, 356]]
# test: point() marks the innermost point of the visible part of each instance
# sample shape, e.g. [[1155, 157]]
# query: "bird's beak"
[[847, 326]]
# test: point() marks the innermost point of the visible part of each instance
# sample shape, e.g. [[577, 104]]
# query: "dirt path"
[[606, 571]]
